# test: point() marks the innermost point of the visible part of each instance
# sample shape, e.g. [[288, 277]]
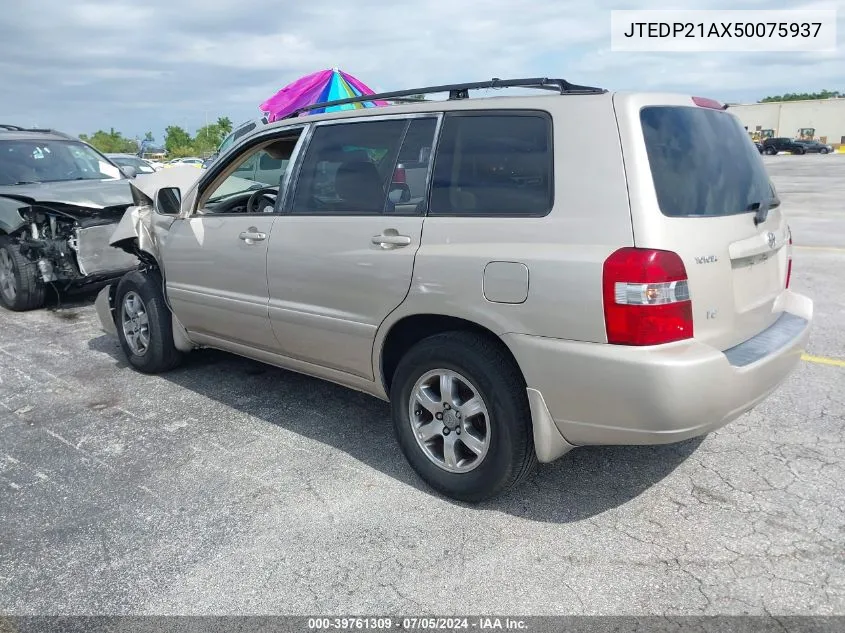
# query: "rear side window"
[[702, 162], [234, 136], [347, 166], [493, 164]]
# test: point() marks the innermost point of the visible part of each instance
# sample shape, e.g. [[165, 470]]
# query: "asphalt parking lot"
[[231, 487]]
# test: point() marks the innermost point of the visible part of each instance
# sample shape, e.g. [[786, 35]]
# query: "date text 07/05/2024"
[[416, 624]]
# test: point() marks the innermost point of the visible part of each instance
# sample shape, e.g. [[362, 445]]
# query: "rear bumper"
[[609, 394]]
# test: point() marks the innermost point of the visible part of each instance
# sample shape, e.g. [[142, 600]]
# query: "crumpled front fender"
[[141, 227], [136, 231], [10, 216]]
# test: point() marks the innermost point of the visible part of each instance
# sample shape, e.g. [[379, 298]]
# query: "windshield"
[[702, 162], [37, 160], [129, 161]]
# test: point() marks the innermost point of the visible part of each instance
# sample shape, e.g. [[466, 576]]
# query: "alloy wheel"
[[450, 421], [8, 285], [136, 323]]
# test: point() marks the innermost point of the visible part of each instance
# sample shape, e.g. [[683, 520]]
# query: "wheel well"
[[412, 329]]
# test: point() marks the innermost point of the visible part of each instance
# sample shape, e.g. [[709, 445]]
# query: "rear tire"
[[770, 151], [21, 288], [500, 431], [144, 323]]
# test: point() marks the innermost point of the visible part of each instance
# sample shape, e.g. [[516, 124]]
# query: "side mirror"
[[129, 171], [168, 201], [399, 193]]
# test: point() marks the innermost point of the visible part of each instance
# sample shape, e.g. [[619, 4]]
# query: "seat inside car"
[[358, 185]]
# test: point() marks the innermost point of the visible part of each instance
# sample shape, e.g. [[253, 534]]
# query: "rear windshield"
[[703, 162]]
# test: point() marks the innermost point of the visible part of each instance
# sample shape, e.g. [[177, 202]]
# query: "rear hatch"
[[699, 187]]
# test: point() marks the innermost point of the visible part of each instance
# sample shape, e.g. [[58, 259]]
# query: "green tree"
[[176, 141], [225, 124], [111, 142], [209, 137], [148, 137], [803, 96]]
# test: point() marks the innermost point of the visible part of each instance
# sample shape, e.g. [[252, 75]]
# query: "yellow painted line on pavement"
[[833, 249], [823, 360]]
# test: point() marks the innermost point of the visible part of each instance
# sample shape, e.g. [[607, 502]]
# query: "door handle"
[[252, 236], [391, 240]]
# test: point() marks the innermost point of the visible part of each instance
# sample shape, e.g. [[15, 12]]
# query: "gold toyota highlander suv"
[[517, 275]]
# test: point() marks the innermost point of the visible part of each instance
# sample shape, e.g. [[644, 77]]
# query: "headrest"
[[338, 155]]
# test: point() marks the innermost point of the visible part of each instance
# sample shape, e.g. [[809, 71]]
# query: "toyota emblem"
[[772, 240]]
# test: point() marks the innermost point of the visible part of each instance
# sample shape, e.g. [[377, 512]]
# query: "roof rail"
[[51, 131], [459, 91], [18, 128]]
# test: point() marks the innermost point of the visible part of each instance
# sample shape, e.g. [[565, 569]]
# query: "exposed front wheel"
[[144, 324], [824, 150], [461, 416], [20, 285]]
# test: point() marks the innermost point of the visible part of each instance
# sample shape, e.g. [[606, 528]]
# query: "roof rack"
[[459, 91], [18, 128]]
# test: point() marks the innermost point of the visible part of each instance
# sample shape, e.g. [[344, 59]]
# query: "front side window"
[[257, 169], [497, 164], [33, 161], [348, 168]]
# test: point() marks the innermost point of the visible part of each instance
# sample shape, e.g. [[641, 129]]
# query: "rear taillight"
[[704, 102], [789, 259], [646, 297], [399, 176]]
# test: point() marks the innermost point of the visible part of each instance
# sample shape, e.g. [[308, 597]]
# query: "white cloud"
[[137, 66]]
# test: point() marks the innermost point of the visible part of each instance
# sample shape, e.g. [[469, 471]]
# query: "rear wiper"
[[26, 182], [761, 209]]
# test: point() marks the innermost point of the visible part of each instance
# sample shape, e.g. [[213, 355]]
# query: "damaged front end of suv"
[[60, 201], [59, 241]]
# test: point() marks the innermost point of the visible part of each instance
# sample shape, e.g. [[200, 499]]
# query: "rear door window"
[[407, 190], [347, 167], [702, 162], [494, 164]]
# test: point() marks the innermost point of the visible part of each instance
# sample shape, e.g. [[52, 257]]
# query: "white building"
[[789, 118]]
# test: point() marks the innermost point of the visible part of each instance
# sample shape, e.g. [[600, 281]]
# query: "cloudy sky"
[[142, 65]]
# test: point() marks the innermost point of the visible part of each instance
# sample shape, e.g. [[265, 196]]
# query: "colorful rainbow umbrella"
[[319, 87]]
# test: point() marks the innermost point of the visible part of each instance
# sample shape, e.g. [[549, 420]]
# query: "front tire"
[[21, 288], [144, 323], [824, 150], [461, 416]]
